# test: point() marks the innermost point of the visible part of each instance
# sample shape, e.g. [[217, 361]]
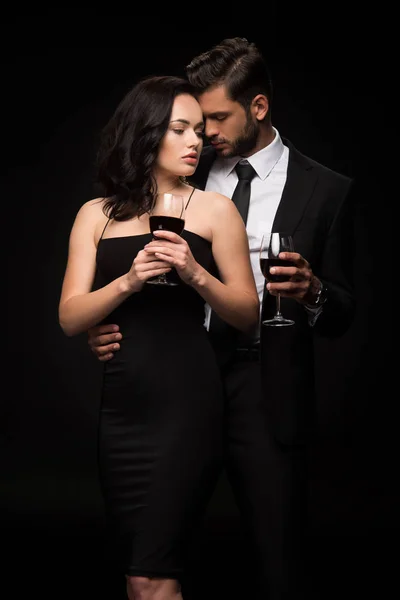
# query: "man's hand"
[[300, 282], [103, 341]]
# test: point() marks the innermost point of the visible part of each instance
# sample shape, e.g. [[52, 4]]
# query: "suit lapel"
[[300, 183]]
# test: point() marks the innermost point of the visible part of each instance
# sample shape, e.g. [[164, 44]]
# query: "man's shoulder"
[[310, 163], [328, 171]]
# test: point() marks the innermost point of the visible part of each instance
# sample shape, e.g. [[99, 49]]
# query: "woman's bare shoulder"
[[95, 206], [217, 200], [91, 211], [91, 217]]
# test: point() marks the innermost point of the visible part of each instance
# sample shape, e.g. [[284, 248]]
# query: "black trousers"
[[269, 483]]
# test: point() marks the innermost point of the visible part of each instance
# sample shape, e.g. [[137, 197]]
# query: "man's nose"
[[211, 130]]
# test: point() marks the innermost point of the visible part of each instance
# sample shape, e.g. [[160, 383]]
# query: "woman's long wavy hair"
[[130, 144]]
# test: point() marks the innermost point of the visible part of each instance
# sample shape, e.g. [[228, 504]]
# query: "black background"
[[330, 80]]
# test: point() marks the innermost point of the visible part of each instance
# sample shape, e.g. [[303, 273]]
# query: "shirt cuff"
[[313, 313]]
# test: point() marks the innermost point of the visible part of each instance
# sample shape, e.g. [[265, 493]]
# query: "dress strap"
[[191, 194], [108, 220]]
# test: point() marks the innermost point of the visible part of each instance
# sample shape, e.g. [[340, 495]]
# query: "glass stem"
[[278, 307]]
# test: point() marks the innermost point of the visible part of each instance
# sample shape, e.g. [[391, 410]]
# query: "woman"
[[160, 433]]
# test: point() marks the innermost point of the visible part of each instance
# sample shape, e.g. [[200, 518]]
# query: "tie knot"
[[245, 171]]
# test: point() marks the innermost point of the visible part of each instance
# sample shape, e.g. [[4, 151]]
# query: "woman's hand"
[[144, 267], [174, 251]]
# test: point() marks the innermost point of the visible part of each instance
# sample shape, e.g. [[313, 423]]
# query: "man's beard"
[[246, 142]]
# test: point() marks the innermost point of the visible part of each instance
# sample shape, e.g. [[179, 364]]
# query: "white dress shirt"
[[270, 165]]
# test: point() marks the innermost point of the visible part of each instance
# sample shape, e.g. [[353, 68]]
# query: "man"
[[269, 380]]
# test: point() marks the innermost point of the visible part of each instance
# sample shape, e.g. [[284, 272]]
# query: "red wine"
[[267, 263], [162, 222]]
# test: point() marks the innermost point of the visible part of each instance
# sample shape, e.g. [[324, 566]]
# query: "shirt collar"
[[262, 161]]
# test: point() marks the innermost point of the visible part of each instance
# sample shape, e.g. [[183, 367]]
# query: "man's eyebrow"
[[218, 113]]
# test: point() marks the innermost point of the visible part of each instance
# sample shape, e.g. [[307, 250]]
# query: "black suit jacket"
[[317, 208]]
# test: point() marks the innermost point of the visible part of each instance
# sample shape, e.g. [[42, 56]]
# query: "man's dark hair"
[[238, 65]]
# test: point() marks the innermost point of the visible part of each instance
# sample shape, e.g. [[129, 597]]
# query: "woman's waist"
[[154, 317]]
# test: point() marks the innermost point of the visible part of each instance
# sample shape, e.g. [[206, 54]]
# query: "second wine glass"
[[167, 214], [272, 244]]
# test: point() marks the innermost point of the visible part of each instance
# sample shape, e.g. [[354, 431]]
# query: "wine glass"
[[271, 246], [167, 213]]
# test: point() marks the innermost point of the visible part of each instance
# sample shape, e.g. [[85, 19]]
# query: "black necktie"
[[241, 195], [223, 336]]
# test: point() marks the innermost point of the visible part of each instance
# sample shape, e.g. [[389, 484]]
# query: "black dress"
[[160, 427]]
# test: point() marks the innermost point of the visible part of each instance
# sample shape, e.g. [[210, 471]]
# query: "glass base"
[[278, 322], [161, 282]]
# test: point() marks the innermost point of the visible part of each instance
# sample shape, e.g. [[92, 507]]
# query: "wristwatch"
[[320, 298]]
